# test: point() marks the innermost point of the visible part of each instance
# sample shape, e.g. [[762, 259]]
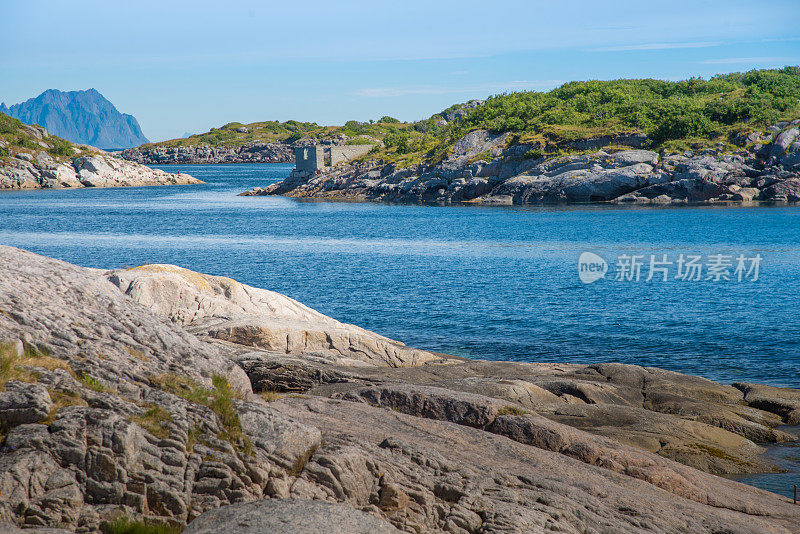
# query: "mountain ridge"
[[85, 117]]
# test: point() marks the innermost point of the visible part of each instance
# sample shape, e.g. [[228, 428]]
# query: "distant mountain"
[[85, 117]]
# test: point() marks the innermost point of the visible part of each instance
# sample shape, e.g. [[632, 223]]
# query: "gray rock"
[[99, 170], [288, 515], [784, 191], [254, 152], [784, 140], [22, 403], [510, 176], [134, 430], [225, 309]]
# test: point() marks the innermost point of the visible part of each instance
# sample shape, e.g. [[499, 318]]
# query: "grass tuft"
[[302, 461], [269, 396], [16, 367], [219, 398], [512, 410], [155, 421], [124, 525], [92, 383]]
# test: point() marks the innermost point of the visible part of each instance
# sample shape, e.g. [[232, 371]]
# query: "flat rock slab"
[[298, 516]]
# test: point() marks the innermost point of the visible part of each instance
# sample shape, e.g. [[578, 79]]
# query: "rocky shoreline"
[[484, 168], [43, 172], [32, 167], [163, 394], [187, 155]]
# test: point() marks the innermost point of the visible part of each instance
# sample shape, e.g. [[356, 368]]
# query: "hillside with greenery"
[[16, 137], [674, 115], [692, 113]]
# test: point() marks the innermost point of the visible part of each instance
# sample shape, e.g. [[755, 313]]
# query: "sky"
[[186, 66]]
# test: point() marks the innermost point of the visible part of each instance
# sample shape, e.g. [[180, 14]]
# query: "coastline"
[[488, 169], [310, 393]]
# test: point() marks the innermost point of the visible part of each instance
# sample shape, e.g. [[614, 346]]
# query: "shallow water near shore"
[[498, 283]]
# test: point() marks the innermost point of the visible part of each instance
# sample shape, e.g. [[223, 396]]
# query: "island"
[[31, 158], [731, 139]]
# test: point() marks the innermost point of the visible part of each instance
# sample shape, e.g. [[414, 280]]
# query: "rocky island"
[[733, 138], [160, 395], [31, 158]]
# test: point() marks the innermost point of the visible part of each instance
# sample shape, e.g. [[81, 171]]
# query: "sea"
[[712, 291]]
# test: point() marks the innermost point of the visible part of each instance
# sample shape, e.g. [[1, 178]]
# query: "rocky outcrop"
[[41, 171], [224, 309], [296, 515], [483, 168], [254, 152], [114, 404]]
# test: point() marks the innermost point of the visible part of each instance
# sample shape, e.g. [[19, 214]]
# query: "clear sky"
[[186, 66]]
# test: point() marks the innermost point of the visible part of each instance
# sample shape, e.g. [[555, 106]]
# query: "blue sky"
[[186, 66]]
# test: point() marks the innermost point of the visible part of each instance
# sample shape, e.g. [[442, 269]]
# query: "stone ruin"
[[317, 157]]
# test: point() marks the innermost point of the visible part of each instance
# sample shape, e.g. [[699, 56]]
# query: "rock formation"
[[222, 308], [256, 152], [41, 171], [485, 168], [120, 398], [84, 117]]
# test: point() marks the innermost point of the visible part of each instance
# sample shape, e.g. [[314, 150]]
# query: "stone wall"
[[343, 153]]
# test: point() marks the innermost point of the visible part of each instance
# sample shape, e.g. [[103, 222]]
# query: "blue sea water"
[[480, 282]]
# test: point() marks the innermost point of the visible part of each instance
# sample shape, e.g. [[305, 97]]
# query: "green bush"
[[25, 142], [60, 147]]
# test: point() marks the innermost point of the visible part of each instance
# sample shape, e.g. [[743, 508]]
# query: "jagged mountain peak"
[[82, 116]]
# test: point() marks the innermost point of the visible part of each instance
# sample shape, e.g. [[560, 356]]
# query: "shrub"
[[59, 147], [25, 142]]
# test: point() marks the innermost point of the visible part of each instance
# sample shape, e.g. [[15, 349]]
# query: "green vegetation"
[[92, 383], [9, 125], [155, 421], [694, 113], [674, 115], [219, 398], [59, 147], [17, 139], [124, 525], [361, 141]]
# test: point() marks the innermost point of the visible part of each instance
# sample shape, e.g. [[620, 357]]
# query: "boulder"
[[22, 403], [783, 191], [783, 141], [228, 310]]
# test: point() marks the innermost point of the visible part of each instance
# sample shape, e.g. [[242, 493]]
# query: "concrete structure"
[[309, 158], [318, 157]]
